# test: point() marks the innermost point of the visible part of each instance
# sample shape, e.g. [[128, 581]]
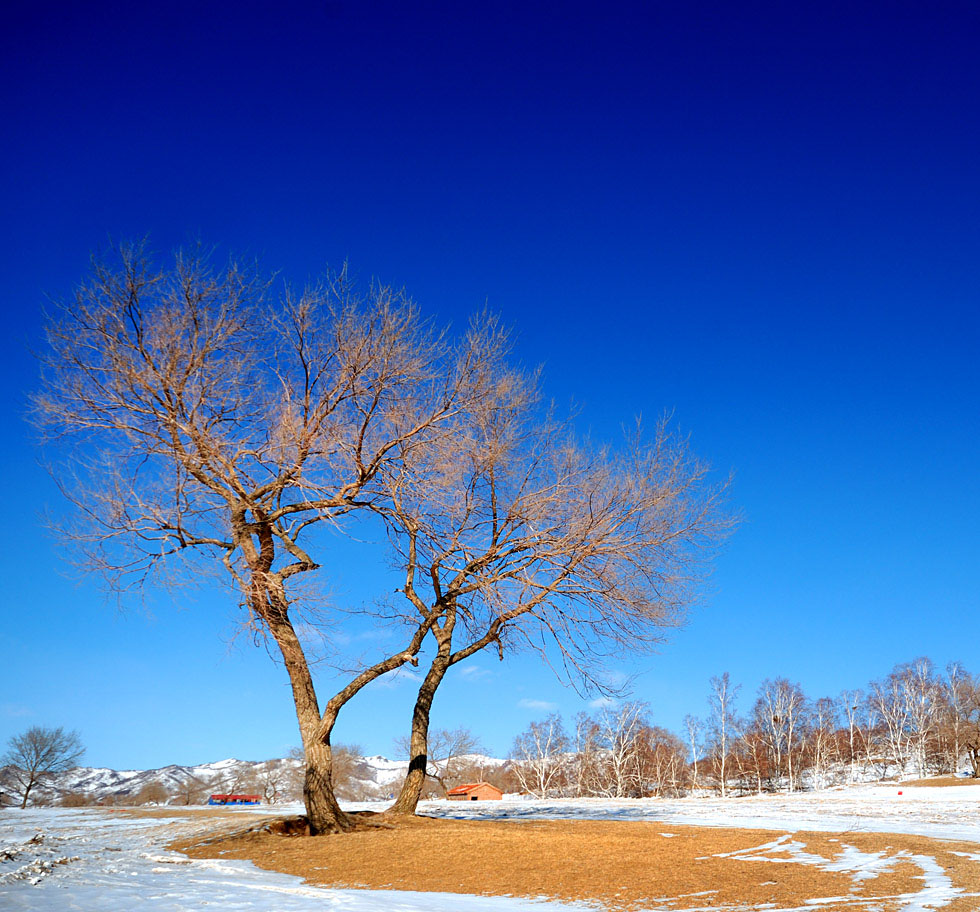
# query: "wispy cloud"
[[615, 678], [397, 677], [541, 705], [475, 673], [15, 711], [601, 703], [338, 636], [343, 638]]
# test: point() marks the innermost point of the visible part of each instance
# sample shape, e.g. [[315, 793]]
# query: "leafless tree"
[[195, 790], [752, 759], [37, 756], [952, 698], [663, 763], [76, 800], [520, 535], [823, 742], [279, 780], [198, 421], [540, 757], [151, 793], [723, 723], [621, 731], [779, 715], [905, 703], [586, 771], [694, 727], [450, 753], [853, 709], [971, 718], [922, 692]]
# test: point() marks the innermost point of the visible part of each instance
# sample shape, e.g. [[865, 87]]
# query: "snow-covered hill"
[[276, 780]]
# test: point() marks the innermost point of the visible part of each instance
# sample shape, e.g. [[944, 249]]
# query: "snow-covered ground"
[[96, 860], [92, 860]]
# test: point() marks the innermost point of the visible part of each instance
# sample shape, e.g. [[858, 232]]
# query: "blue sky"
[[761, 218]]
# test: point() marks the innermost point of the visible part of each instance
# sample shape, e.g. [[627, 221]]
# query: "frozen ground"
[[101, 861], [92, 860]]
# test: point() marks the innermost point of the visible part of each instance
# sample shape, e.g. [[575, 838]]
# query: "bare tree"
[[853, 709], [823, 741], [723, 723], [970, 708], [151, 793], [586, 772], [752, 758], [523, 536], [450, 753], [953, 698], [663, 763], [540, 757], [778, 715], [922, 693], [621, 741], [37, 756], [195, 790], [905, 704], [695, 740], [198, 422]]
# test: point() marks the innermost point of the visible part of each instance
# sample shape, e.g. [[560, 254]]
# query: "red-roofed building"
[[235, 799], [475, 791]]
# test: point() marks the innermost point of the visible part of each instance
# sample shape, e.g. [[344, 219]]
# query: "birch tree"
[[723, 724], [694, 727], [779, 714], [955, 698], [823, 741], [621, 731], [540, 757], [852, 706]]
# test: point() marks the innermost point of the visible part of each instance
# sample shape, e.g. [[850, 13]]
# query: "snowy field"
[[102, 861]]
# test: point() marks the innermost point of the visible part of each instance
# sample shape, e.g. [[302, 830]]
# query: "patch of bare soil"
[[623, 865]]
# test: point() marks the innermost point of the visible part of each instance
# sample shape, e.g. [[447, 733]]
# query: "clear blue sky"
[[765, 218]]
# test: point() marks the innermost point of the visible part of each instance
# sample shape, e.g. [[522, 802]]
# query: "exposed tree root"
[[299, 826]]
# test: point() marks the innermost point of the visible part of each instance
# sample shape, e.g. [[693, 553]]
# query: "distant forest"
[[917, 720]]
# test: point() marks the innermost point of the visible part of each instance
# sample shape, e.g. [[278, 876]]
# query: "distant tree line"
[[916, 721]]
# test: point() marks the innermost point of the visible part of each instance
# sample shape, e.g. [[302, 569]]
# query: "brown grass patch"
[[615, 864], [939, 782]]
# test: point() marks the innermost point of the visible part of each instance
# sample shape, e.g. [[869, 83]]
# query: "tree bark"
[[411, 790], [323, 812]]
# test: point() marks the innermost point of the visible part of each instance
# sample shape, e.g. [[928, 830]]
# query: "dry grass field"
[[628, 865], [938, 782]]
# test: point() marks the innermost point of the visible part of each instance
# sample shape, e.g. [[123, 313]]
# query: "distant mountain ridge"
[[277, 781]]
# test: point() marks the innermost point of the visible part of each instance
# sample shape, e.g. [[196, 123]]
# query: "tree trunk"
[[322, 810], [411, 790]]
